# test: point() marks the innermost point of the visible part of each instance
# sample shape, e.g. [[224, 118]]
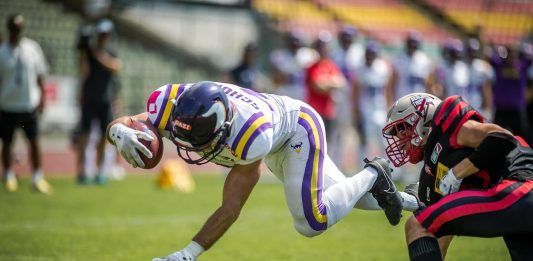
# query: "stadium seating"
[[385, 20], [502, 22]]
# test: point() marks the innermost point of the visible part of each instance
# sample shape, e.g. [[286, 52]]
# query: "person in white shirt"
[[453, 73], [412, 68], [481, 76], [22, 68], [289, 64], [372, 97]]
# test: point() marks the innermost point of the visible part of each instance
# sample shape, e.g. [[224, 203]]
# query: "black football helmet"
[[201, 122]]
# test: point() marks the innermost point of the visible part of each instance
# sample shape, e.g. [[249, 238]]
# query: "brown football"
[[155, 146]]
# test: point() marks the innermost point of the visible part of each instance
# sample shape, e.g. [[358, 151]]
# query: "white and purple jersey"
[[259, 124], [413, 72], [480, 73], [455, 79]]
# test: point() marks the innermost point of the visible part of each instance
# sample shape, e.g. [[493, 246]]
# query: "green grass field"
[[134, 220]]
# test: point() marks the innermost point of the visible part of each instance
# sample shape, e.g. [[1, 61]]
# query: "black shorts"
[[101, 112], [27, 121], [505, 210]]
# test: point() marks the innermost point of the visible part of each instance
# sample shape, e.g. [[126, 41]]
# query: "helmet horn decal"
[[218, 109]]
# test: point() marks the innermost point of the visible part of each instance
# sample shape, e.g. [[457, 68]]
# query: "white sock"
[[37, 175], [9, 174], [341, 197], [409, 202]]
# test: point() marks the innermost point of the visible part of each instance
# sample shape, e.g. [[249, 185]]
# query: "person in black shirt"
[[246, 73], [477, 178], [99, 92]]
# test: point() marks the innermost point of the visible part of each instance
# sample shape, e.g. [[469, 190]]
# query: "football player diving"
[[477, 178], [239, 128]]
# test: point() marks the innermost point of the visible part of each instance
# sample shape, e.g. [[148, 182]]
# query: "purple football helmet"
[[201, 122]]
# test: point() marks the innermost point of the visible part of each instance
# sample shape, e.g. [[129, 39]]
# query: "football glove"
[[189, 253], [127, 142], [182, 255], [449, 183]]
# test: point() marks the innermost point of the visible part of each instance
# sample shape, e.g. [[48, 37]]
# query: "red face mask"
[[400, 150]]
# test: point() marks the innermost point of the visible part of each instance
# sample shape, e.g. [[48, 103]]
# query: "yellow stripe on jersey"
[[168, 106], [246, 136]]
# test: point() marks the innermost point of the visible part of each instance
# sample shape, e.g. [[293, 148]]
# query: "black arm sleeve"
[[493, 150]]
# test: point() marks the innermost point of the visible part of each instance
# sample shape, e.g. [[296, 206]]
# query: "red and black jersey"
[[442, 152]]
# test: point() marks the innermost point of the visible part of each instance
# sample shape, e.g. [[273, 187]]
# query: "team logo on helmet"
[[183, 125], [422, 104]]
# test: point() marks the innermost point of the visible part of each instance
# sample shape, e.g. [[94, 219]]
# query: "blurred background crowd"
[[349, 59]]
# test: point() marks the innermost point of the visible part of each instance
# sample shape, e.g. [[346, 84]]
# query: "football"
[[155, 146]]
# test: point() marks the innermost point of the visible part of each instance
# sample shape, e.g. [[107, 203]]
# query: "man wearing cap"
[[99, 92]]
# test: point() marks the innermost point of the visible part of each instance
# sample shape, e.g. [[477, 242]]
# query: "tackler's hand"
[[449, 183]]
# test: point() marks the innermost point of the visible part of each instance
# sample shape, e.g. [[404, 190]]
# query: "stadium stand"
[[385, 20], [500, 22]]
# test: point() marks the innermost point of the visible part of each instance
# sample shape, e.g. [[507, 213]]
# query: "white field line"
[[37, 258], [94, 222]]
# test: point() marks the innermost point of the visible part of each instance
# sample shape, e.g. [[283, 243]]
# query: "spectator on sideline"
[[452, 76], [289, 65], [528, 52], [412, 68], [246, 73], [98, 95], [22, 70], [509, 88], [323, 79], [348, 56], [371, 99], [481, 75]]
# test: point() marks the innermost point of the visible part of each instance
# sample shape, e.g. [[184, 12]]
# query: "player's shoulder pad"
[[159, 104], [451, 114], [447, 109], [253, 138]]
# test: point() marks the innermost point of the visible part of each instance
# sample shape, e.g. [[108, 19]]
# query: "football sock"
[[409, 202], [37, 175], [9, 174], [425, 249], [341, 197]]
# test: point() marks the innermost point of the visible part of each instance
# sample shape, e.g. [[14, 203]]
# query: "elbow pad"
[[493, 150]]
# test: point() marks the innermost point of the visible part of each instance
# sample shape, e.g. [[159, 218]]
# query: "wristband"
[[195, 249]]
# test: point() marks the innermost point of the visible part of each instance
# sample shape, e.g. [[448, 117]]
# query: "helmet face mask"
[[408, 126], [201, 122]]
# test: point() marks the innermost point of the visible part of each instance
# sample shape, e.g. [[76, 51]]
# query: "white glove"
[[182, 255], [449, 183], [189, 253], [127, 143]]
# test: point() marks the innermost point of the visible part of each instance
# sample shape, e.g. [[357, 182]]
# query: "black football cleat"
[[384, 191]]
